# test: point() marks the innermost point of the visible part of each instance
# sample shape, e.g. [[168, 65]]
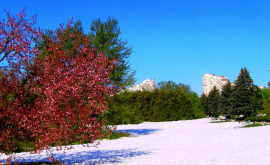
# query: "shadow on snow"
[[86, 157], [92, 157], [137, 132]]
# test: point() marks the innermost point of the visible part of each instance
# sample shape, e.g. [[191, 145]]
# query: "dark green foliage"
[[245, 97], [258, 118], [257, 99], [225, 105], [265, 93], [196, 105], [172, 86], [213, 103], [24, 146], [186, 90], [204, 103], [171, 106], [123, 109], [104, 36], [117, 135], [233, 117], [157, 105]]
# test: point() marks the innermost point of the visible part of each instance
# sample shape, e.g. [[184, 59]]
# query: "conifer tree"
[[242, 100], [104, 36], [204, 103], [214, 102], [225, 105]]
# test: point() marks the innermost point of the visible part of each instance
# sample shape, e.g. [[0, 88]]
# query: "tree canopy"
[[213, 103], [245, 94], [105, 37], [51, 96], [172, 86], [225, 96]]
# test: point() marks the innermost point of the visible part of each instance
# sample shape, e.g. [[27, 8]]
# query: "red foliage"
[[54, 98]]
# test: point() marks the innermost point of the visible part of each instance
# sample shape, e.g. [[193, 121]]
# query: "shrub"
[[233, 117], [135, 107]]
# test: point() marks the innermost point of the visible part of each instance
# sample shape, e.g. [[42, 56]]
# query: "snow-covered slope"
[[180, 142]]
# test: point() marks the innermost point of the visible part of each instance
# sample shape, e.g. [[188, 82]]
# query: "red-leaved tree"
[[16, 101], [50, 97]]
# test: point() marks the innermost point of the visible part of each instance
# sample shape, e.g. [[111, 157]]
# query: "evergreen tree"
[[214, 102], [225, 105], [242, 100], [257, 99], [104, 36], [204, 103]]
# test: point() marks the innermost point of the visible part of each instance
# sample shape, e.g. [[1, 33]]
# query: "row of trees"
[[55, 84], [169, 102], [242, 98]]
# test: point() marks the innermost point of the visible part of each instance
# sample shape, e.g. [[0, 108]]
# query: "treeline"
[[169, 102], [242, 98]]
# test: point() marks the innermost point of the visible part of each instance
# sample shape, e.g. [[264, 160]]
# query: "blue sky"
[[174, 40]]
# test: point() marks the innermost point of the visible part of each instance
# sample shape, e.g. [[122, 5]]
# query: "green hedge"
[[259, 118], [155, 106]]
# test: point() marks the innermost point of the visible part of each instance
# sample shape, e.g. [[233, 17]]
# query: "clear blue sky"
[[174, 40]]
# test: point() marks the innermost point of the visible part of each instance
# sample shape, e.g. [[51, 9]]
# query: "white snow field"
[[188, 142]]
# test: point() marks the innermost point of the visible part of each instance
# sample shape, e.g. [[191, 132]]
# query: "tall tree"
[[214, 102], [105, 37], [54, 99], [204, 104], [257, 99], [242, 100], [225, 105]]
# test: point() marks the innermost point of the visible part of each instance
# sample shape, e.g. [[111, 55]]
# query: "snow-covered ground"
[[180, 142]]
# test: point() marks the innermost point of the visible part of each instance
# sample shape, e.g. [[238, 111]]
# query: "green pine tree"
[[242, 100], [105, 38], [225, 105], [214, 102], [204, 104]]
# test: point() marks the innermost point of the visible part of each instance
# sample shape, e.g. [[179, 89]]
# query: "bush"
[[24, 146], [233, 117], [117, 135], [158, 105], [259, 118]]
